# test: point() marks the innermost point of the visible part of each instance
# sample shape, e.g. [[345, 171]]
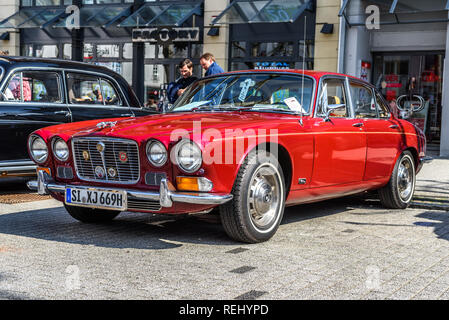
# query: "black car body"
[[36, 93]]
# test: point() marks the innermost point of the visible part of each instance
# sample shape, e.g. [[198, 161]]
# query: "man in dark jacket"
[[177, 88], [208, 63]]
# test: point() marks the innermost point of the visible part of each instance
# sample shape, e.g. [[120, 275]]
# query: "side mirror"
[[3, 97], [331, 108]]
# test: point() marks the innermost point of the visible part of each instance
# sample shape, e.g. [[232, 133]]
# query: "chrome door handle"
[[358, 125], [66, 113], [394, 126]]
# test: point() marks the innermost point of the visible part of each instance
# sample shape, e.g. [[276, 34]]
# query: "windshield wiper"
[[219, 108]]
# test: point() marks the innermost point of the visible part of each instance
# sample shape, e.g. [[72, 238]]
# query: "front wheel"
[[88, 215], [255, 212], [398, 193]]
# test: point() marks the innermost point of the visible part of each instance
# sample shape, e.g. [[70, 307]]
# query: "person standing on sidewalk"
[[177, 88], [208, 63]]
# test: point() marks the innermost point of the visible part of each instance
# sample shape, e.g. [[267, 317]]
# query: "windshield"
[[256, 92]]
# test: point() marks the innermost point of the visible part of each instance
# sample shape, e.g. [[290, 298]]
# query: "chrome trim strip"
[[18, 169], [166, 195], [16, 163]]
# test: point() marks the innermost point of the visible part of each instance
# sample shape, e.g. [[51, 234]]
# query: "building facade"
[[400, 46]]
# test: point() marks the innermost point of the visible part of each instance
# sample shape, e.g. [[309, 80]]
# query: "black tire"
[[88, 215], [241, 217], [398, 193]]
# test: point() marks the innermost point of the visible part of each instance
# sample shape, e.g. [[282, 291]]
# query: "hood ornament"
[[106, 124]]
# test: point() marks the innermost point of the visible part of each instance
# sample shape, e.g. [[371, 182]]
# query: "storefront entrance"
[[412, 84]]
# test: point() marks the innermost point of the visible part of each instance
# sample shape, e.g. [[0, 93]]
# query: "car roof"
[[312, 73], [12, 61]]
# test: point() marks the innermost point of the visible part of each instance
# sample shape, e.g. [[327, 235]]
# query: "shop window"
[[67, 51], [48, 2], [306, 49], [88, 52], [46, 51], [235, 66], [150, 51], [128, 51], [197, 50], [363, 101], [272, 49], [108, 51], [178, 50], [238, 49]]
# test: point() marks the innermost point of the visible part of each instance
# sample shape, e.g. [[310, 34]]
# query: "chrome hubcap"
[[265, 196], [406, 179]]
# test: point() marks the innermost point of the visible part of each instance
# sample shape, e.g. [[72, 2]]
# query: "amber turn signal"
[[47, 170], [194, 184]]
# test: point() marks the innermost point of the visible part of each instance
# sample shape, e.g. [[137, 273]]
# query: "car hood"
[[164, 125]]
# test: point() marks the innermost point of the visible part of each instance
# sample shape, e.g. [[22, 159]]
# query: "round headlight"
[[188, 156], [60, 149], [156, 153], [38, 149]]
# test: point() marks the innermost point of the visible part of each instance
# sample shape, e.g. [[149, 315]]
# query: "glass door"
[[412, 84]]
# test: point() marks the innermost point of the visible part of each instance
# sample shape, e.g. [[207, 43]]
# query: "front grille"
[[117, 163], [144, 205]]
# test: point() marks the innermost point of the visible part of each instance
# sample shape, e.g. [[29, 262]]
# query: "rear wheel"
[[398, 193], [255, 212], [88, 215]]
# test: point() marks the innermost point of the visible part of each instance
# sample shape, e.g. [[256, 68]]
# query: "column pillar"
[[444, 146]]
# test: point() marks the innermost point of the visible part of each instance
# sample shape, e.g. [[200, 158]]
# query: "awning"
[[32, 18], [263, 11], [163, 14], [100, 17], [396, 11]]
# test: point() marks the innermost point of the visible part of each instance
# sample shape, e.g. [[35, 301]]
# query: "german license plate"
[[96, 198]]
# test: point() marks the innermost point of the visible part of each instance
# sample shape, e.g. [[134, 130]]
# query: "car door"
[[94, 96], [340, 140], [31, 99], [383, 132]]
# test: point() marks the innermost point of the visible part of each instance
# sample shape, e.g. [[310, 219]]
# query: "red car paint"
[[334, 158]]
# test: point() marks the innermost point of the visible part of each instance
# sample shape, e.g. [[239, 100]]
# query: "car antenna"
[[303, 72]]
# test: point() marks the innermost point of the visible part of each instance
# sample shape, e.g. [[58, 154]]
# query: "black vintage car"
[[36, 93]]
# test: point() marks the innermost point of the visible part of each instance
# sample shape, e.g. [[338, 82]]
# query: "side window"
[[91, 89], [363, 101], [382, 108], [13, 91], [34, 86], [110, 96], [83, 89], [333, 97]]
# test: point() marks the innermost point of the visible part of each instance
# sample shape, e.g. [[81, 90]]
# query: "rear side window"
[[382, 108], [34, 86], [363, 101], [91, 90]]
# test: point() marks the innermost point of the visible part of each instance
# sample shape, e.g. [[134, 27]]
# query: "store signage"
[[271, 65], [166, 35]]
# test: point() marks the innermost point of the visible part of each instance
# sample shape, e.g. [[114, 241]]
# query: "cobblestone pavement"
[[350, 248]]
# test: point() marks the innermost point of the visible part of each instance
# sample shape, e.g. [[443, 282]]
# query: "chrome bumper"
[[426, 159], [166, 195]]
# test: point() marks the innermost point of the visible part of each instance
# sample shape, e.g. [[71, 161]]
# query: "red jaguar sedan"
[[248, 142]]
